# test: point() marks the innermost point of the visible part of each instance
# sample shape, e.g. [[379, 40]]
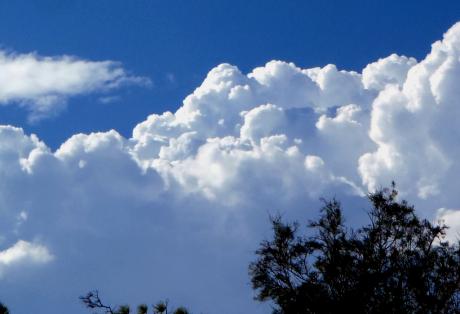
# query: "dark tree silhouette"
[[92, 301], [3, 309], [398, 263], [142, 309], [161, 307]]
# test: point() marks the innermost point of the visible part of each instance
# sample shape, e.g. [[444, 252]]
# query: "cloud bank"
[[43, 84], [190, 190]]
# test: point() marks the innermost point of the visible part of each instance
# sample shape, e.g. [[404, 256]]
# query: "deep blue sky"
[[187, 38]]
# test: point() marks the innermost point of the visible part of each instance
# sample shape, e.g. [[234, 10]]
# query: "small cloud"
[[170, 77], [43, 84], [22, 216], [109, 99], [24, 253]]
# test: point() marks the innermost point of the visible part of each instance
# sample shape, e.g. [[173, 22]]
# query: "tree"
[[398, 263], [181, 310], [3, 309], [161, 307], [92, 301], [142, 309]]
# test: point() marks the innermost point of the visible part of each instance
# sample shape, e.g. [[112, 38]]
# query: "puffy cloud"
[[43, 84], [415, 126], [389, 70], [235, 150], [261, 122], [240, 145], [24, 253]]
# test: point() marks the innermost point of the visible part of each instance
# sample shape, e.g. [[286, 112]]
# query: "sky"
[[144, 144]]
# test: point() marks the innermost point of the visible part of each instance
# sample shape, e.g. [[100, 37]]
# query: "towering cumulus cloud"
[[189, 189]]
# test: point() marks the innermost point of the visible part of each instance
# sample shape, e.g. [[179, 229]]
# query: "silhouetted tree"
[[123, 309], [92, 301], [398, 263], [181, 310], [142, 309], [161, 307], [3, 309]]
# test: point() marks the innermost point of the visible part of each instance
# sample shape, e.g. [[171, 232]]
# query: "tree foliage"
[[398, 263]]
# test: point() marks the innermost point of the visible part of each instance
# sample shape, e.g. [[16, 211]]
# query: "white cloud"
[[389, 70], [415, 126], [451, 218], [262, 121], [23, 253], [43, 84], [240, 145]]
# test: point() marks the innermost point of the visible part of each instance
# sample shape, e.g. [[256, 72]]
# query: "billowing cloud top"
[[276, 138]]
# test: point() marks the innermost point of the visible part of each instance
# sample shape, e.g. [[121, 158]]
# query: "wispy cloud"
[[43, 84]]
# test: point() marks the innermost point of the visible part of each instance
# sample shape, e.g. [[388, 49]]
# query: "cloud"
[[451, 218], [109, 99], [415, 129], [23, 253], [185, 199], [389, 70], [43, 84]]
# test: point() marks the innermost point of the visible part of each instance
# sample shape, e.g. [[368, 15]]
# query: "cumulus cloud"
[[240, 145], [43, 84], [415, 126], [389, 70]]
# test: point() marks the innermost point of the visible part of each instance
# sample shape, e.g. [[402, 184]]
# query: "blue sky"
[[272, 105]]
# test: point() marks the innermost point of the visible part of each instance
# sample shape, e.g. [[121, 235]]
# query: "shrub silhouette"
[[92, 301]]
